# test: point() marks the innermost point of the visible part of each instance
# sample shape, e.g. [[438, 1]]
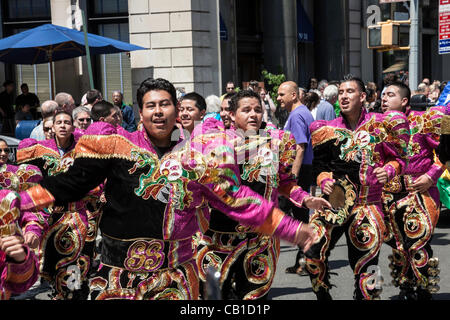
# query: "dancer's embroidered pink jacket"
[[379, 140], [158, 200]]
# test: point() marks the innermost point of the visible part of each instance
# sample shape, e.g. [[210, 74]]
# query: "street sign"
[[444, 26]]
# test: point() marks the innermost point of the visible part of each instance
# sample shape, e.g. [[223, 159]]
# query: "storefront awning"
[[305, 30], [398, 66]]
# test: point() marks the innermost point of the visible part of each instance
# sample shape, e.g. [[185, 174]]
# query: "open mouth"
[[159, 121]]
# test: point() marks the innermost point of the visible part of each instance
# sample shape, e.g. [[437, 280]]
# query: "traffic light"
[[385, 35]]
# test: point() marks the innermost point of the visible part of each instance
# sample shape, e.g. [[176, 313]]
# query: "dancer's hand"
[[328, 187], [421, 184], [316, 203], [31, 240], [13, 247], [381, 175], [306, 237]]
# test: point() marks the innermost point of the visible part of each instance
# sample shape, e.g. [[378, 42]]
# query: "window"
[[114, 7], [21, 15], [27, 9], [116, 68], [109, 18]]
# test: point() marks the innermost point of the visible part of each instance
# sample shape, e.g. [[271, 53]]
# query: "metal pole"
[[414, 45], [88, 55]]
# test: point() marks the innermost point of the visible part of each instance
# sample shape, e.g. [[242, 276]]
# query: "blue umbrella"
[[48, 43]]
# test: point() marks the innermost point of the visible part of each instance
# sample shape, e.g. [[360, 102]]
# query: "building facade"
[[199, 45]]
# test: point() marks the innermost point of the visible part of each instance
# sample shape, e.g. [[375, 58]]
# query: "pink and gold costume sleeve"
[[19, 277], [34, 221], [223, 188], [396, 143], [432, 120]]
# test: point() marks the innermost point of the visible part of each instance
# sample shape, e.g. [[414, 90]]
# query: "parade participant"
[[192, 109], [444, 145], [225, 110], [4, 152], [106, 112], [354, 156], [19, 267], [411, 201], [19, 178], [247, 260], [157, 193], [65, 260]]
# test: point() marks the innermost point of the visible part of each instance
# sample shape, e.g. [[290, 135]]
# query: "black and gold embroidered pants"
[[363, 229], [410, 221]]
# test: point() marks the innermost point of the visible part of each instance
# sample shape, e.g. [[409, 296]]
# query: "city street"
[[294, 287]]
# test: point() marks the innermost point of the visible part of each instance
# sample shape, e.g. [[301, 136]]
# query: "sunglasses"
[[47, 129], [6, 150], [84, 119]]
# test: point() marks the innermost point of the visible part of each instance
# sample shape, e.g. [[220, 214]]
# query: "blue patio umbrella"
[[48, 43]]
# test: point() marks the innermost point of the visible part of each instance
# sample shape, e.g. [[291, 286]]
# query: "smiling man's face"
[[158, 115], [351, 99], [248, 115]]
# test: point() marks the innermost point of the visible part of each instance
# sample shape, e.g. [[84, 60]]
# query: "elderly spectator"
[[81, 117], [47, 110], [213, 103], [321, 86], [325, 108], [423, 89]]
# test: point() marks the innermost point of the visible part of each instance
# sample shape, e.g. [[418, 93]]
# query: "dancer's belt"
[[401, 184], [144, 254], [345, 196]]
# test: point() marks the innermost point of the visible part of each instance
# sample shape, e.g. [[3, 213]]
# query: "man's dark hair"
[[101, 109], [93, 95], [62, 110], [229, 95], [155, 84], [403, 89], [311, 100], [253, 83], [389, 79], [23, 85], [234, 102], [200, 102], [7, 83], [358, 81]]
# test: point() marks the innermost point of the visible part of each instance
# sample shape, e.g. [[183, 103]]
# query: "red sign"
[[444, 26]]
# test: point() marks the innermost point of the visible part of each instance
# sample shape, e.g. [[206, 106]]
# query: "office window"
[[103, 7], [26, 9], [116, 68]]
